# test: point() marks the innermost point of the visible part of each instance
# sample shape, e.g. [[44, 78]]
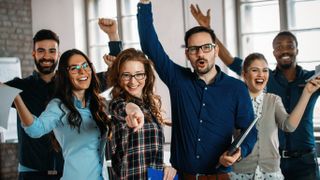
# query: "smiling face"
[[79, 73], [256, 76], [46, 56], [285, 51], [132, 77]]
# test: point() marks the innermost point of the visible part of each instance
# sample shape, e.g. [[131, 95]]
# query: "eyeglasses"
[[205, 48], [75, 69], [138, 76]]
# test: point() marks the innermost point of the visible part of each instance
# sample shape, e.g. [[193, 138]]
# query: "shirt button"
[[204, 104], [200, 120], [199, 139], [198, 156], [205, 88]]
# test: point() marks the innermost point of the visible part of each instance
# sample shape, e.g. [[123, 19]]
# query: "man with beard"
[[40, 158], [297, 149], [207, 105]]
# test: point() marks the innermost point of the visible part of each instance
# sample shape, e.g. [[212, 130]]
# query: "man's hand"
[[109, 60], [226, 160], [145, 1], [200, 17], [135, 117], [110, 27]]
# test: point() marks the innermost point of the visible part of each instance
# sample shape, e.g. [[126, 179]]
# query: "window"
[[124, 11], [261, 20]]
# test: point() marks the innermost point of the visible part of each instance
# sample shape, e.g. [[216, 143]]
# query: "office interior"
[[244, 26]]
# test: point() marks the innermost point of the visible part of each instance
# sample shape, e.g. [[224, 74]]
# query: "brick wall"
[[16, 32], [15, 41], [8, 161]]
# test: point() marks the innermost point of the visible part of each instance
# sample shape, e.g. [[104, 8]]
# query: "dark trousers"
[[301, 168], [38, 176]]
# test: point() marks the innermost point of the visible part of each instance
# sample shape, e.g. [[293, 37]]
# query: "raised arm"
[[151, 46], [24, 113], [297, 113], [203, 20], [109, 26]]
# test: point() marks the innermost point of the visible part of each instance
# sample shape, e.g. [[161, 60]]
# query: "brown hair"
[[250, 58]]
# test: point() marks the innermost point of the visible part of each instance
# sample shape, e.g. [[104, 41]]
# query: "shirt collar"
[[78, 103], [282, 79], [217, 78], [36, 76]]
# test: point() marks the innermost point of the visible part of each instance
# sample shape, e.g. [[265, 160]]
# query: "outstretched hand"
[[110, 27], [199, 16], [135, 117]]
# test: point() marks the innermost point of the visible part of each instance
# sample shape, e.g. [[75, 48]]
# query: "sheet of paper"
[[316, 74], [7, 95]]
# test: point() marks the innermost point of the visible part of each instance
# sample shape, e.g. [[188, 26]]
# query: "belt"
[[43, 173], [218, 176], [295, 154]]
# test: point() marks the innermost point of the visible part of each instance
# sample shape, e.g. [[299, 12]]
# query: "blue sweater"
[[203, 115]]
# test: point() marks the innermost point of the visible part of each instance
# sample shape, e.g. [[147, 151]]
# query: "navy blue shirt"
[[203, 116], [303, 137], [38, 153]]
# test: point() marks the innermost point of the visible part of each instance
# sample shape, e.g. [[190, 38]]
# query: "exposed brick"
[[15, 41]]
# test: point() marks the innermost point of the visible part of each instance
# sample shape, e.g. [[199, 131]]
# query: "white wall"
[[65, 17]]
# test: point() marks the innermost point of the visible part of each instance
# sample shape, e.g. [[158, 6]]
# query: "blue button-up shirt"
[[303, 137], [203, 116], [82, 152]]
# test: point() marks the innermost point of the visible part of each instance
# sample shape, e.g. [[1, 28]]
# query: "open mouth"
[[259, 81], [201, 63], [83, 79], [285, 58]]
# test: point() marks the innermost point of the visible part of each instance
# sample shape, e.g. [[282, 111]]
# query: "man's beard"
[[45, 70], [205, 70], [287, 65]]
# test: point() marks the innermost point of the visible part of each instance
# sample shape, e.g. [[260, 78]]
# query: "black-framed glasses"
[[75, 69], [205, 48], [128, 76]]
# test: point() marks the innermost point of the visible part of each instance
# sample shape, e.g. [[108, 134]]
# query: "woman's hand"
[[169, 173]]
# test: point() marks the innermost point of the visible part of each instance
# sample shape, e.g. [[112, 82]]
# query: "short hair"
[[286, 33], [45, 34], [199, 29], [250, 58]]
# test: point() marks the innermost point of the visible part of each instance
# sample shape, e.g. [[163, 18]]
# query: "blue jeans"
[[302, 168]]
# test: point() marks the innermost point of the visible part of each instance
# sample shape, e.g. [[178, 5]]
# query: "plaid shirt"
[[133, 153]]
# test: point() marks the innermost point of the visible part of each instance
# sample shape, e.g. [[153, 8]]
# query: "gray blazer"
[[265, 152]]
